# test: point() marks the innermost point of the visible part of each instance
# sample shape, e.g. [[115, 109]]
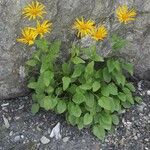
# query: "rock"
[[65, 139], [62, 13], [11, 133], [44, 140], [56, 132], [5, 104], [148, 92], [6, 122], [17, 138]]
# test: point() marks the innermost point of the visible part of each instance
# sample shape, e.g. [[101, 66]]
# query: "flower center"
[[29, 38], [34, 11], [125, 17], [40, 30], [84, 27]]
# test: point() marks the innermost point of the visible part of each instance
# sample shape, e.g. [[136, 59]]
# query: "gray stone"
[[17, 138], [66, 139], [62, 13], [44, 140]]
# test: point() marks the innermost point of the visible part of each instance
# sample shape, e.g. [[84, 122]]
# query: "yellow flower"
[[99, 33], [43, 28], [34, 10], [124, 14], [83, 27], [28, 36]]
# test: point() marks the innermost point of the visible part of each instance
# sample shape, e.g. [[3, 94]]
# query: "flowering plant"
[[89, 89]]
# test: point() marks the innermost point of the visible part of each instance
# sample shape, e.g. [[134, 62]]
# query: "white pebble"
[[17, 138], [56, 132], [11, 133], [44, 140], [6, 122], [148, 92], [4, 105], [65, 139]]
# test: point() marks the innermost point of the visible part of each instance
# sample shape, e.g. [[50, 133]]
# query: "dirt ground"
[[20, 130]]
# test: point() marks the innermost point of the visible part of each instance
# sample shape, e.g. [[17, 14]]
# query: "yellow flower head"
[[84, 28], [34, 10], [28, 36], [43, 28], [99, 33], [125, 15]]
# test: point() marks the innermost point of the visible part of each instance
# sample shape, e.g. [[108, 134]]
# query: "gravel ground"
[[20, 130]]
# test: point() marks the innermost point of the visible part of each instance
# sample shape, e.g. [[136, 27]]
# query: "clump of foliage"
[[89, 89], [89, 96]]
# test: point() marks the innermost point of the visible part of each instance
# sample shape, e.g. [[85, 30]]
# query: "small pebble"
[[44, 140], [148, 92], [17, 138], [5, 104], [6, 122], [11, 133], [65, 139], [141, 107]]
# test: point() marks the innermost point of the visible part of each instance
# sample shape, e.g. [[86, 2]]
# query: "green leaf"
[[99, 132], [106, 121], [96, 86], [42, 44], [106, 118], [49, 102], [97, 58], [126, 104], [115, 119], [89, 100], [35, 108], [75, 110], [78, 70], [72, 89], [77, 60], [105, 90], [78, 98], [49, 90], [128, 67], [89, 68], [117, 42], [131, 87], [122, 96], [66, 67], [45, 66], [130, 98], [105, 102], [72, 120], [47, 77], [113, 89], [138, 99], [110, 65], [66, 82], [106, 75], [126, 90], [31, 62], [117, 106], [80, 123], [120, 78], [117, 65], [87, 119], [55, 48], [61, 106], [32, 85], [85, 86]]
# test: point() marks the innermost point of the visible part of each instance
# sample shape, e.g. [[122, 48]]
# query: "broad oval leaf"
[[66, 82], [87, 119]]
